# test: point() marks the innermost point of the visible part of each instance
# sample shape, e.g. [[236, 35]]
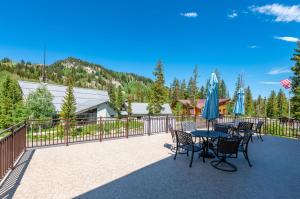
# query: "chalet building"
[[90, 103], [197, 110], [140, 109]]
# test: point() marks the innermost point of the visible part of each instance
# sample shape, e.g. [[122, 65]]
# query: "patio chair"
[[173, 134], [244, 127], [258, 129], [188, 126], [184, 141], [221, 128], [244, 145], [226, 148]]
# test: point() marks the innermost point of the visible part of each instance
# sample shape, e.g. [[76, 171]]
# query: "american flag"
[[286, 83]]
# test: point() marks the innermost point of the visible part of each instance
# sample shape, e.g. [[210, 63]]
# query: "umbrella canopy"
[[211, 108], [239, 107]]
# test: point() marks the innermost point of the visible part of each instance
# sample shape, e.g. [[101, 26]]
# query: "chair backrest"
[[228, 145], [221, 128], [259, 126], [188, 126], [245, 126], [184, 138], [172, 132]]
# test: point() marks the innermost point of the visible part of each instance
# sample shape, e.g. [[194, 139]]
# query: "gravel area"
[[143, 167]]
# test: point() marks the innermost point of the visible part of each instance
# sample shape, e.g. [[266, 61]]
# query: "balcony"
[[143, 167]]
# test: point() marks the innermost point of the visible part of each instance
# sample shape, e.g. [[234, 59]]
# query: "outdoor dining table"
[[207, 135]]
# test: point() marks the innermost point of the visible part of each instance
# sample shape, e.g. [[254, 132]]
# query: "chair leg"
[[192, 159], [176, 153], [247, 158], [259, 137]]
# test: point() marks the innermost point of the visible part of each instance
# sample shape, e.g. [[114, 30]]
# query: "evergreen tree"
[[296, 83], [183, 91], [10, 102], [249, 108], [129, 106], [282, 102], [69, 103], [112, 94], [259, 107], [272, 108], [202, 93], [158, 91], [119, 100], [174, 95], [39, 104]]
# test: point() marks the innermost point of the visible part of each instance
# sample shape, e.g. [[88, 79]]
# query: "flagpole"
[[289, 103]]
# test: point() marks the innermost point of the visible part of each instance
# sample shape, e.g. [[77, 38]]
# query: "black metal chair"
[[258, 130], [244, 145], [184, 141], [221, 128], [226, 148], [173, 134]]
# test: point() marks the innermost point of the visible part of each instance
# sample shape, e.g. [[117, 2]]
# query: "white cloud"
[[281, 12], [189, 14], [253, 46], [277, 71], [289, 39], [269, 83], [233, 14]]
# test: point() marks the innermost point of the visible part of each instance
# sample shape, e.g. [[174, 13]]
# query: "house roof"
[[86, 99], [141, 109], [201, 102]]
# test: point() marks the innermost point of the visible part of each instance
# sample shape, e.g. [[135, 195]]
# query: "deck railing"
[[278, 127], [12, 146], [66, 131]]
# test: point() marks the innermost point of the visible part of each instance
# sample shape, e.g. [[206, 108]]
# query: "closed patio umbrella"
[[211, 108], [239, 107]]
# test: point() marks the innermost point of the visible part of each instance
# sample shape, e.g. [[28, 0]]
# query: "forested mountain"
[[87, 75]]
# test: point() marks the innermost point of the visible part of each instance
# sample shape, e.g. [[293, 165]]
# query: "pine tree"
[[69, 103], [129, 106], [174, 94], [119, 100], [272, 108], [296, 83], [282, 102], [158, 94], [259, 107], [112, 94], [202, 93], [183, 92], [10, 102], [249, 108]]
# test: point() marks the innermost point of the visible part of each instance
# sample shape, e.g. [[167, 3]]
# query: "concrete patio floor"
[[143, 167]]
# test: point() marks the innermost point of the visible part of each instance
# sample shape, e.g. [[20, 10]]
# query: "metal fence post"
[[266, 125], [100, 129], [67, 132], [167, 124], [13, 148], [127, 126], [149, 124]]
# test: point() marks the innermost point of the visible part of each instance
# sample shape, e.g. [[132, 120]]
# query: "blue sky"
[[255, 38]]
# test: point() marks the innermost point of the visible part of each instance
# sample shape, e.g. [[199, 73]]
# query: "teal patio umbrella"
[[239, 107], [211, 108]]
